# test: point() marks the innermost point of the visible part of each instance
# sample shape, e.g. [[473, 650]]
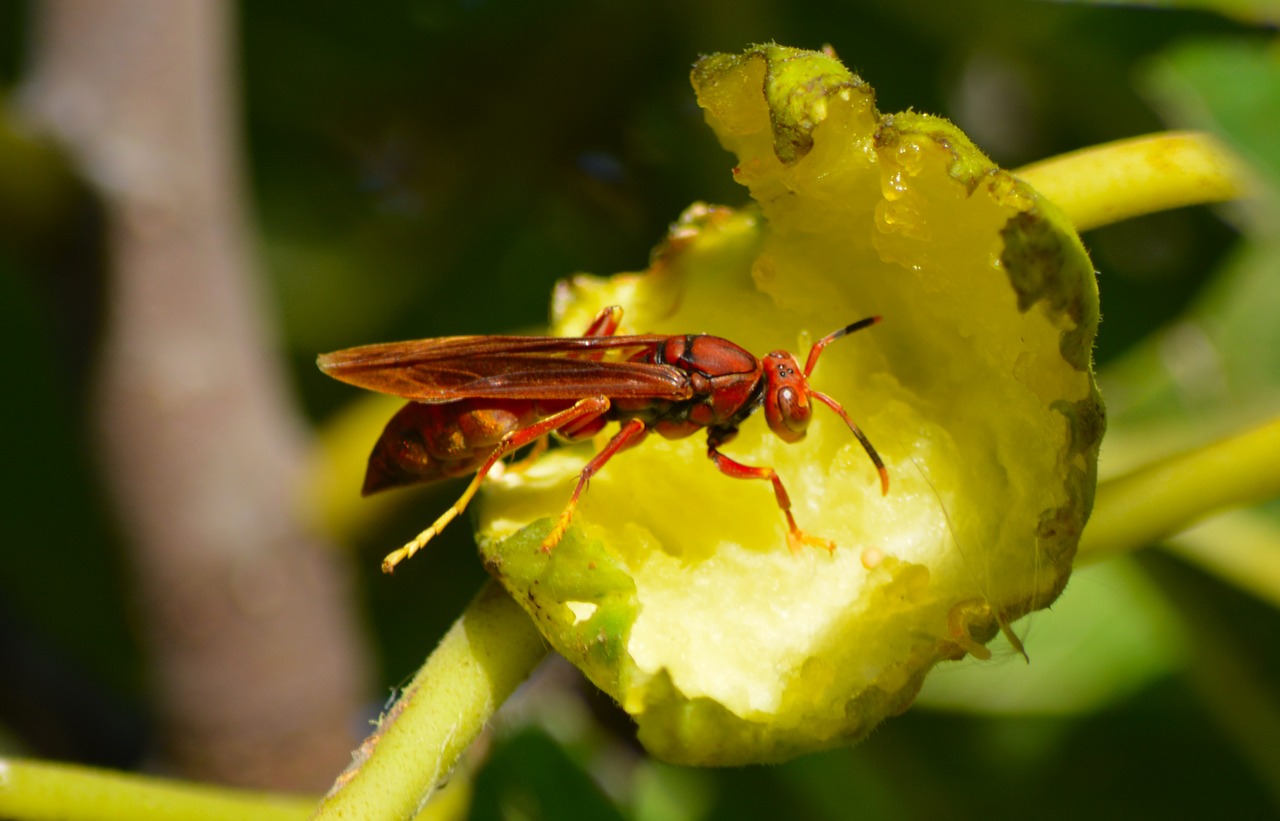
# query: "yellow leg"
[[591, 406]]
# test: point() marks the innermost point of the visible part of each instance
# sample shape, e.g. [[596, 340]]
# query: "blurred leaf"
[[667, 793], [1228, 87], [1250, 11], [38, 193], [1218, 367], [1214, 370], [1108, 636], [529, 776], [1236, 666], [59, 571]]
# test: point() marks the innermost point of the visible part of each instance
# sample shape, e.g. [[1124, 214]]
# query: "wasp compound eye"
[[794, 410]]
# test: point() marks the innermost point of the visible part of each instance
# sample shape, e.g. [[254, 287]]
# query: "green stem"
[[489, 651], [36, 790], [1163, 498], [1109, 183]]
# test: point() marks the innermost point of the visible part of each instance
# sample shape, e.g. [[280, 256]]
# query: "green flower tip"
[[675, 590]]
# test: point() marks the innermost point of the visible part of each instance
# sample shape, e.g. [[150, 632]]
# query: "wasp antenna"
[[862, 438], [812, 360]]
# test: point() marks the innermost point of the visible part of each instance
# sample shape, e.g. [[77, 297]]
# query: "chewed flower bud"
[[675, 590]]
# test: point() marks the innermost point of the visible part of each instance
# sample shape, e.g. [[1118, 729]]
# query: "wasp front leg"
[[796, 538]]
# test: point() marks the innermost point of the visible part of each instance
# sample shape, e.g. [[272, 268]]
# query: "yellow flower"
[[675, 591]]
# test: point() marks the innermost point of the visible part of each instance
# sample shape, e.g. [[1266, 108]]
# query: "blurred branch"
[[490, 650], [247, 617], [1109, 183]]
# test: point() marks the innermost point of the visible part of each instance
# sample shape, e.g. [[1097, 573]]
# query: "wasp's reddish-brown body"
[[476, 399]]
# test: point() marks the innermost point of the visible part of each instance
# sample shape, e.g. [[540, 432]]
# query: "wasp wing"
[[508, 367]]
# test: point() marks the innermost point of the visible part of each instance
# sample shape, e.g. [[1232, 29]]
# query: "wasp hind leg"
[[582, 409]]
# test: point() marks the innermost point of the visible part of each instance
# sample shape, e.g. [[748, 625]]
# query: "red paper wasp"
[[477, 399]]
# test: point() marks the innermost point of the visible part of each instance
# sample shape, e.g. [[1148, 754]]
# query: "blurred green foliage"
[[423, 168]]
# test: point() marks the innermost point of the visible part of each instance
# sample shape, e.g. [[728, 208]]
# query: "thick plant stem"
[[489, 651], [40, 790], [1109, 183], [1161, 499]]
